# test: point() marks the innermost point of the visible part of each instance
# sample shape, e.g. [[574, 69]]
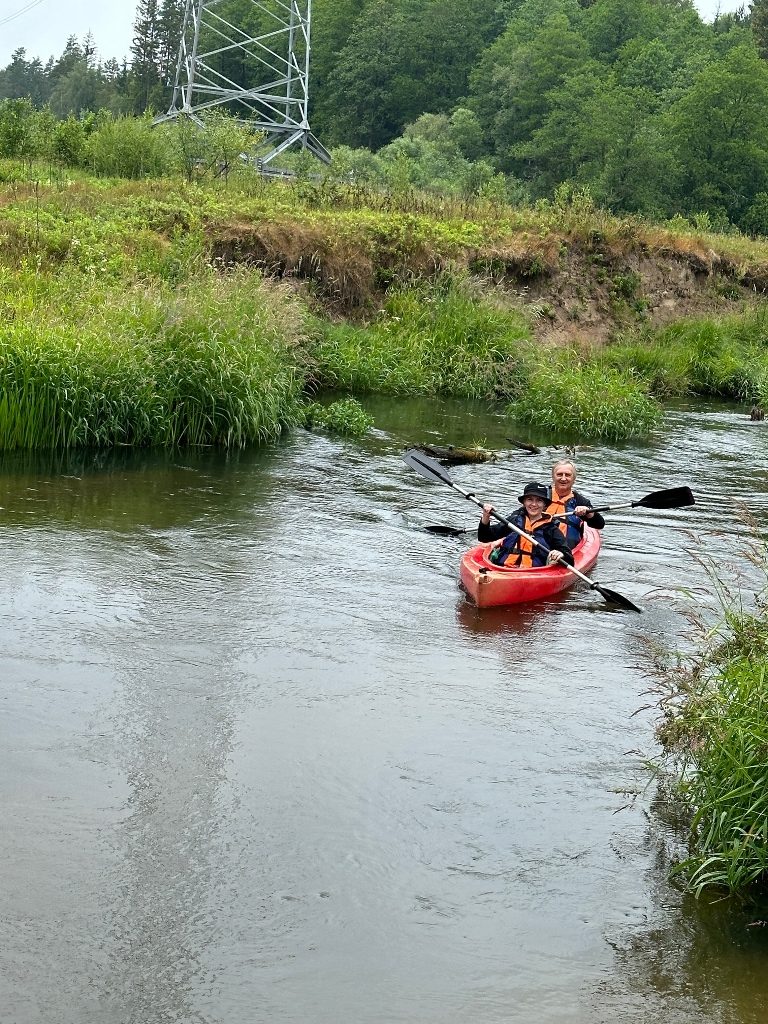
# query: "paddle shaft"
[[571, 568]]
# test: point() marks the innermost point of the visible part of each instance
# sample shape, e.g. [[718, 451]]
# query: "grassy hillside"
[[264, 290]]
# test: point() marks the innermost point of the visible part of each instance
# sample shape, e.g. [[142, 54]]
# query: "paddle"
[[672, 497], [432, 470]]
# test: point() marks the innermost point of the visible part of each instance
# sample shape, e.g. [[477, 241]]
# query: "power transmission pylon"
[[214, 53]]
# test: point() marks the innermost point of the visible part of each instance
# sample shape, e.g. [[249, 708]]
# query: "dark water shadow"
[[123, 488]]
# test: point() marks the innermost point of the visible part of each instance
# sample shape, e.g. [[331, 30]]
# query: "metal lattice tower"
[[214, 53]]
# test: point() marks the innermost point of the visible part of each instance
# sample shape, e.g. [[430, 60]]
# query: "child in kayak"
[[513, 550]]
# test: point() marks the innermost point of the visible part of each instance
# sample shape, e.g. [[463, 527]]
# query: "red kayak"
[[489, 585]]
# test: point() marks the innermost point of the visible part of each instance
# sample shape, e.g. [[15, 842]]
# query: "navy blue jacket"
[[546, 532]]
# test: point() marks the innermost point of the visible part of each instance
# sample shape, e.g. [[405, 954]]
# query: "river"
[[261, 762]]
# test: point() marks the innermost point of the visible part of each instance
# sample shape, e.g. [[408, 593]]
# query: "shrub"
[[345, 416], [586, 402]]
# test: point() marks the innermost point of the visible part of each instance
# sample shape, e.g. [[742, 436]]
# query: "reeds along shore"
[[714, 734], [120, 324]]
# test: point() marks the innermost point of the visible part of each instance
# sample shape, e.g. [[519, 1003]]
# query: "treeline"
[[639, 101]]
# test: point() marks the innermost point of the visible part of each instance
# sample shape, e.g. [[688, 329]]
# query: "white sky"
[[42, 26]]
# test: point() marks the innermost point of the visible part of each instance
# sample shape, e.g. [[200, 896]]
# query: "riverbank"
[[714, 735], [226, 308]]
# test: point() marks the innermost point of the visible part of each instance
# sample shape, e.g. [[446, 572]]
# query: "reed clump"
[[714, 735], [586, 400], [215, 362], [428, 341], [723, 358]]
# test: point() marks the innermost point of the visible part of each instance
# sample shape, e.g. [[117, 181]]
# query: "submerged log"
[[524, 447], [450, 455]]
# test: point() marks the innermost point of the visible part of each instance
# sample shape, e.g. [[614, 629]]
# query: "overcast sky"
[[42, 26]]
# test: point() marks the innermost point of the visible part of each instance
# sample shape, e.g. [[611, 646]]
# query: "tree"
[[402, 58], [145, 51], [170, 22], [758, 20], [81, 89], [718, 132], [496, 63], [523, 87], [22, 78]]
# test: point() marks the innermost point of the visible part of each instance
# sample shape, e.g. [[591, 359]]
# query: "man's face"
[[563, 477]]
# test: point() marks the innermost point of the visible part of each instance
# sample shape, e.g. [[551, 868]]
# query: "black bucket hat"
[[535, 490]]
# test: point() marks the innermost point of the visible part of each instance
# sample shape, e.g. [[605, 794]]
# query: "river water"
[[261, 762]]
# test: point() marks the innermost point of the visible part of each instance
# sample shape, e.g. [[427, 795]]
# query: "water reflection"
[[256, 741], [119, 489], [173, 731], [695, 960]]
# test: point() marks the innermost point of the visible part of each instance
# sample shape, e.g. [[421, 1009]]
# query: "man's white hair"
[[564, 462]]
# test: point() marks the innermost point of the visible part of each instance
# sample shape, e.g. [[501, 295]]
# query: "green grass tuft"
[[428, 341], [586, 401]]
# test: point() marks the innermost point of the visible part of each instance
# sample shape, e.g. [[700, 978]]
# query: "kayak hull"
[[490, 585]]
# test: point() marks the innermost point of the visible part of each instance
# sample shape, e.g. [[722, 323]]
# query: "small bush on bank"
[[586, 401], [345, 416]]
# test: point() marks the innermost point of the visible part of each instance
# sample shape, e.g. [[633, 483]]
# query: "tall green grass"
[[725, 358], [585, 401], [715, 733], [214, 363], [429, 341]]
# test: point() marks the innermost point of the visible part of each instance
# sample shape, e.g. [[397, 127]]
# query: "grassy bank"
[[715, 740], [84, 363], [150, 313]]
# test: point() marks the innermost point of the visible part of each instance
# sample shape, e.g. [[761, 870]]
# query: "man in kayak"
[[565, 501], [512, 549]]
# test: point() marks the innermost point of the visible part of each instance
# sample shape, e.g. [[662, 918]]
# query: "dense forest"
[[640, 102]]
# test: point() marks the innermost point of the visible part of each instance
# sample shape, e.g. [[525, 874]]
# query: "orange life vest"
[[556, 507], [524, 548]]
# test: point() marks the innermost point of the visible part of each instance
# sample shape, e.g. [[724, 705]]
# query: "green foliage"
[[399, 59], [717, 131], [211, 149], [715, 739], [69, 141], [211, 364], [726, 358], [126, 147], [428, 341], [755, 220], [586, 401], [640, 101], [345, 416]]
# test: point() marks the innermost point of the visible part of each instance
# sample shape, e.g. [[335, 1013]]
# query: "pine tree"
[[145, 51], [759, 22], [170, 22]]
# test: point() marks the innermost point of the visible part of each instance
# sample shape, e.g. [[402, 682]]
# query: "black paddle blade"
[[612, 597], [426, 467], [446, 531], [673, 497]]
